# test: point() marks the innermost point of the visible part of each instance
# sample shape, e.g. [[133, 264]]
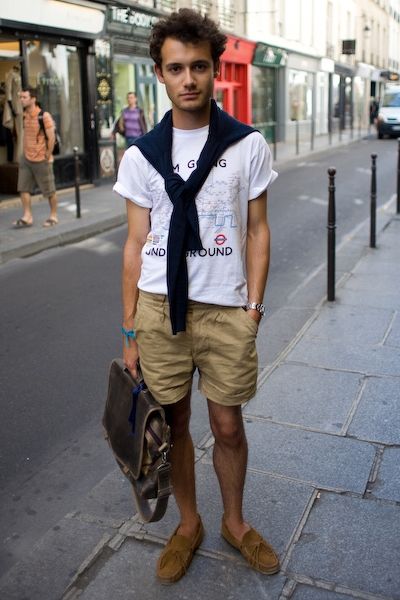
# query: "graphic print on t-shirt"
[[243, 172]]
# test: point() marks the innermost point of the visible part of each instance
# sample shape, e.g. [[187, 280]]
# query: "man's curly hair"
[[189, 27]]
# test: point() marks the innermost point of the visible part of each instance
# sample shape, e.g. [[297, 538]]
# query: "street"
[[61, 316]]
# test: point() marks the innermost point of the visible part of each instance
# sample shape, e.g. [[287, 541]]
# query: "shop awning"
[[54, 14], [269, 56], [365, 70]]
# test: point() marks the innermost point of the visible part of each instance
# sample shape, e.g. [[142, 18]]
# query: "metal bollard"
[[398, 179], [297, 137], [331, 234], [372, 235], [77, 181]]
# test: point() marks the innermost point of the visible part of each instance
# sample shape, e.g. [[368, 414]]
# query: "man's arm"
[[257, 251], [49, 127], [138, 228]]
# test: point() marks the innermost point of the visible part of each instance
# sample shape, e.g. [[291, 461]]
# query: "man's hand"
[[254, 314], [130, 356]]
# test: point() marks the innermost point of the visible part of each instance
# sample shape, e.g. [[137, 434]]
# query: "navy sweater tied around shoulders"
[[184, 235]]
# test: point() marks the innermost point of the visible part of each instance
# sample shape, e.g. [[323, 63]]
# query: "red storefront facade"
[[233, 84]]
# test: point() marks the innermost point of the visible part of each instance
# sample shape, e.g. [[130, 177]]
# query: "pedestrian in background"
[[131, 122], [36, 162], [195, 268], [373, 111]]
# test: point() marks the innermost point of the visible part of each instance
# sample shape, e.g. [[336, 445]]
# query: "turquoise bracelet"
[[130, 334]]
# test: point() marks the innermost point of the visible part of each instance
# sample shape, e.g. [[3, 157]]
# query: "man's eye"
[[200, 67], [175, 69]]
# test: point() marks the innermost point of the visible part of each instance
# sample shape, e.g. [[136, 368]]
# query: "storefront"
[[131, 68], [323, 94], [301, 75], [267, 90], [233, 84], [51, 50], [342, 109]]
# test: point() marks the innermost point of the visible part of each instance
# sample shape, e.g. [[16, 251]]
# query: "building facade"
[[291, 67], [338, 55], [49, 46]]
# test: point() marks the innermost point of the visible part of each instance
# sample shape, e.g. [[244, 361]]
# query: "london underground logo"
[[220, 239]]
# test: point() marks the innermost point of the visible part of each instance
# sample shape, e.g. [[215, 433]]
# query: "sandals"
[[50, 222], [259, 554], [21, 224]]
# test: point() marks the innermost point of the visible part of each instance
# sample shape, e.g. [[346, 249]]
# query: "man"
[[196, 254], [131, 122], [36, 162]]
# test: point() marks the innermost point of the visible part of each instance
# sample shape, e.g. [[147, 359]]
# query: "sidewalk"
[[324, 471], [324, 465], [101, 209]]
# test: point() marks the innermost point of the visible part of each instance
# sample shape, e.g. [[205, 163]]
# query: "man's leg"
[[182, 463], [27, 206], [178, 552], [230, 462], [53, 206]]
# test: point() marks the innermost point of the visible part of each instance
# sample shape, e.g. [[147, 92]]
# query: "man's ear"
[[217, 67], [158, 72]]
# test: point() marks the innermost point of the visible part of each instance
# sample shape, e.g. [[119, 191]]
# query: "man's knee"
[[227, 427]]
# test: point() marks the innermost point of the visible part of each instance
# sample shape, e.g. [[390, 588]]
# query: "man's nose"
[[188, 79]]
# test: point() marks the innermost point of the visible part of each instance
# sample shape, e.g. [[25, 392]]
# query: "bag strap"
[[41, 126], [151, 514], [148, 512]]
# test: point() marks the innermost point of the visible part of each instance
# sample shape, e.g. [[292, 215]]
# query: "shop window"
[[300, 95], [263, 101], [54, 70]]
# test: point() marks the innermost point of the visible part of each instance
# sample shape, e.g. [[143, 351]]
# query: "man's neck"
[[183, 119], [31, 109]]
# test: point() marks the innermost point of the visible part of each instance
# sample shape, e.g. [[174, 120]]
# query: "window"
[[300, 95], [54, 70]]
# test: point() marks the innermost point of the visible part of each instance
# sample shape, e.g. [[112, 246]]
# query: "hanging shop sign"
[[127, 20], [268, 56], [390, 75], [348, 46]]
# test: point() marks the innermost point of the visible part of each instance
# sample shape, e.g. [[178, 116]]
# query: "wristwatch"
[[255, 306]]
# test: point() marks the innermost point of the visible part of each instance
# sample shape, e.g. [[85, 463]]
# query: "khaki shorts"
[[219, 341], [39, 173]]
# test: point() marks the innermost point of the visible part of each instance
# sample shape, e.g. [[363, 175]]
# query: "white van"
[[388, 122]]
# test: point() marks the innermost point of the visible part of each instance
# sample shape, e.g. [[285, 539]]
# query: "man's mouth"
[[189, 95]]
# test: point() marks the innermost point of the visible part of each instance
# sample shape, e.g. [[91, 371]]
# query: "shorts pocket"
[[249, 322]]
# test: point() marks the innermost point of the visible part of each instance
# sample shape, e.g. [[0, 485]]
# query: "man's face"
[[26, 99], [188, 72], [131, 99]]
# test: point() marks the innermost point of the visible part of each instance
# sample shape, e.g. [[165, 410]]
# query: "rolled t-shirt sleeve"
[[261, 171], [132, 181]]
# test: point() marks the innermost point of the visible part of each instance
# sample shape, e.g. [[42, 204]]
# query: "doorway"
[[134, 75], [10, 115]]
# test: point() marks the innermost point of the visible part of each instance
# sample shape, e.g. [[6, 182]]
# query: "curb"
[[61, 239]]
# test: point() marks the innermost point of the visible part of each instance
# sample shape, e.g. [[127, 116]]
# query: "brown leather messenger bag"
[[137, 432]]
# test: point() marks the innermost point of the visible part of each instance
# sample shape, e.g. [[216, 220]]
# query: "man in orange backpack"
[[36, 162]]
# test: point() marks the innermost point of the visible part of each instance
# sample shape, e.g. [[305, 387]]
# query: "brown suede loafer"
[[258, 553], [177, 555]]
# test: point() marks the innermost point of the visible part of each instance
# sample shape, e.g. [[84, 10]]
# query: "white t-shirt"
[[217, 274]]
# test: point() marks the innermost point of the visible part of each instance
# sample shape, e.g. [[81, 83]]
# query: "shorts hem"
[[169, 402], [225, 402]]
